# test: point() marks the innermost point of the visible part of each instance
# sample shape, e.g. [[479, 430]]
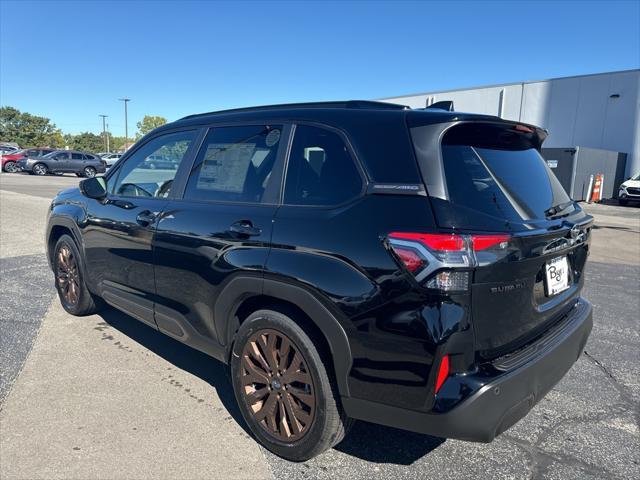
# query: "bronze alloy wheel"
[[67, 275], [278, 388]]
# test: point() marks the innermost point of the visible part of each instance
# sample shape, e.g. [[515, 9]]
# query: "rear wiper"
[[555, 210]]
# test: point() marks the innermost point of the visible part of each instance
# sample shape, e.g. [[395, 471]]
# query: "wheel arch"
[[58, 226], [245, 295]]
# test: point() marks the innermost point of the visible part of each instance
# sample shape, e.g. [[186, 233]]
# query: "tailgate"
[[493, 179]]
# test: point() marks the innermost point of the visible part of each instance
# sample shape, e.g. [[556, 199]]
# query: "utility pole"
[[126, 125], [104, 132], [108, 138]]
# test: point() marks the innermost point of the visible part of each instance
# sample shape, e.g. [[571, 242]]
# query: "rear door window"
[[234, 164], [321, 170], [76, 156]]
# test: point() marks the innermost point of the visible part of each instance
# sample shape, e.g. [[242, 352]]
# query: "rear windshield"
[[492, 176], [510, 184]]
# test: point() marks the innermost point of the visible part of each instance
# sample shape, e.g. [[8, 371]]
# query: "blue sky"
[[71, 61]]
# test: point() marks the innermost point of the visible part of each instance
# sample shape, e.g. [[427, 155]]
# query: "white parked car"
[[110, 158], [630, 190]]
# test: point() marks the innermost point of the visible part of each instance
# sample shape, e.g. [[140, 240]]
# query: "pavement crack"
[[620, 387], [541, 459]]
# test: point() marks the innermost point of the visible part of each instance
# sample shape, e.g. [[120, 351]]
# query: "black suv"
[[349, 260], [83, 164]]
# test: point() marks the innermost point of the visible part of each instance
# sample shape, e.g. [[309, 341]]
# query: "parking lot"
[[107, 397]]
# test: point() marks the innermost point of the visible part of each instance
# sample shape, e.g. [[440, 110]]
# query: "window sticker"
[[272, 138], [225, 166]]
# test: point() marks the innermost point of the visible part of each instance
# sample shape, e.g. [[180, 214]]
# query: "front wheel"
[[285, 392], [40, 169], [10, 167], [74, 295], [89, 172]]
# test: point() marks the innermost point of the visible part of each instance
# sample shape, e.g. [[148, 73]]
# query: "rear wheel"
[[40, 169], [72, 291], [10, 167], [89, 172], [283, 388]]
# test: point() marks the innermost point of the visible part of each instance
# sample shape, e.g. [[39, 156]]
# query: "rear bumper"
[[502, 400]]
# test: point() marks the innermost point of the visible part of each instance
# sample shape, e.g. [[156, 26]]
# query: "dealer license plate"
[[557, 275]]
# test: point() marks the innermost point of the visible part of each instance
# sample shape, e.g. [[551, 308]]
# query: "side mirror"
[[94, 187]]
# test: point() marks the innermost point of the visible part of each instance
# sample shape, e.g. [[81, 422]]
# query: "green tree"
[[116, 143], [148, 123], [28, 130], [86, 141]]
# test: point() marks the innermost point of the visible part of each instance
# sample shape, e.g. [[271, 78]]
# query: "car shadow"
[[212, 371], [367, 441], [380, 444]]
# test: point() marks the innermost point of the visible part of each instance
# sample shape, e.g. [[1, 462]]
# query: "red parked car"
[[10, 160]]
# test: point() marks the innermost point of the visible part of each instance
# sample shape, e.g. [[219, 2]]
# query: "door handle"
[[145, 218], [245, 228]]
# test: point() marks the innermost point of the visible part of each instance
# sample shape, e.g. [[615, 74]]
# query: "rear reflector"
[[443, 372]]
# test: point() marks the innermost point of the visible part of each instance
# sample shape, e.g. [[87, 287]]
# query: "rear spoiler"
[[442, 105]]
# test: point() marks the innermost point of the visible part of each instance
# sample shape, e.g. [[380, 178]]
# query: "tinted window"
[[234, 164], [321, 170], [61, 156], [510, 184], [137, 178], [76, 156], [89, 157]]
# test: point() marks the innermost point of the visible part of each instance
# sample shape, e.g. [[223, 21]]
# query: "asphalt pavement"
[[107, 397]]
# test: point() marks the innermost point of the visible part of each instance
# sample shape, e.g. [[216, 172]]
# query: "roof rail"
[[356, 104]]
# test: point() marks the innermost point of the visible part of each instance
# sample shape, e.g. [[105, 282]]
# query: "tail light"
[[442, 261]]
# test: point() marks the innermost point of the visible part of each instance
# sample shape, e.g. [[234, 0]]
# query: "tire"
[[10, 167], [622, 202], [69, 277], [88, 172], [39, 169], [320, 423]]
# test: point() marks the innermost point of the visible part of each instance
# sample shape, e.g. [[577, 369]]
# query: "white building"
[[598, 111]]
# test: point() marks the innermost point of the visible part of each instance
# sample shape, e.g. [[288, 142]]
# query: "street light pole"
[[104, 132], [126, 125]]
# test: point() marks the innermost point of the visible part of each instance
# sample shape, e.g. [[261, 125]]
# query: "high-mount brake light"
[[443, 260], [523, 128]]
